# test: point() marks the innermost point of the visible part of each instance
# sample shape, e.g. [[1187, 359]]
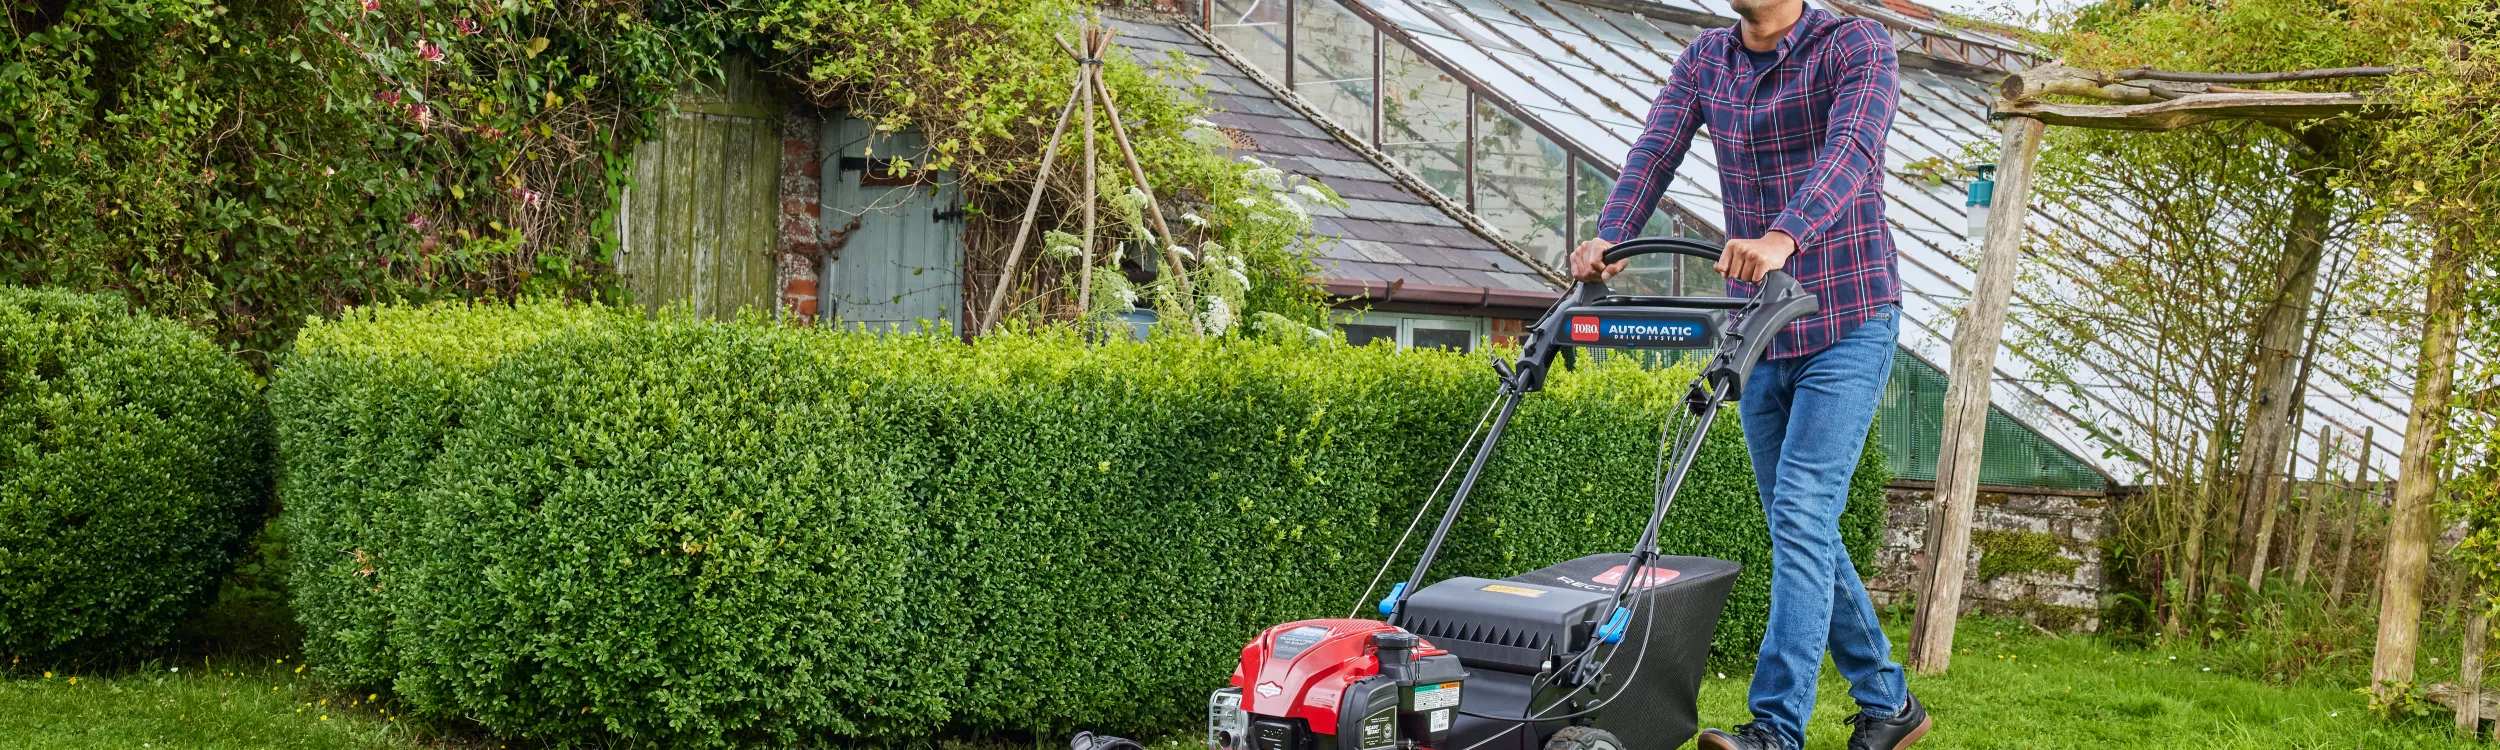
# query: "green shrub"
[[133, 461], [682, 532]]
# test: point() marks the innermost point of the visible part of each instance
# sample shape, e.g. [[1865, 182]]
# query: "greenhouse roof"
[[1523, 110]]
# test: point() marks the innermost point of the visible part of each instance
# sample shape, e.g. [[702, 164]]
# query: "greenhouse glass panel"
[[1255, 29], [1519, 183], [1647, 274], [1423, 120], [1332, 64]]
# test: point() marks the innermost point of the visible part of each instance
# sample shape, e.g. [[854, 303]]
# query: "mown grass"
[[214, 703], [2010, 688]]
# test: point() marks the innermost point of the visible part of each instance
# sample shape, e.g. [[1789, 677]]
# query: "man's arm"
[[1673, 119], [1853, 147]]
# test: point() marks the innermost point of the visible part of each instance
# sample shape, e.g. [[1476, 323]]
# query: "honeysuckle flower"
[[467, 26], [373, 6], [429, 51]]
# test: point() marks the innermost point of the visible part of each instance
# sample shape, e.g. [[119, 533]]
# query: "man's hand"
[[1749, 260], [1588, 261]]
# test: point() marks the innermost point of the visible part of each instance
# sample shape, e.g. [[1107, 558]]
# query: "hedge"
[[133, 463], [579, 524]]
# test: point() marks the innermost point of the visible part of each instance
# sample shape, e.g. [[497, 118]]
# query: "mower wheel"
[[1583, 738]]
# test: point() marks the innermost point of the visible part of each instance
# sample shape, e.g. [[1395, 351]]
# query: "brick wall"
[[801, 239], [2070, 601]]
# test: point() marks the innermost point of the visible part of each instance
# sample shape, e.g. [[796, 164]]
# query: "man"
[[1797, 102]]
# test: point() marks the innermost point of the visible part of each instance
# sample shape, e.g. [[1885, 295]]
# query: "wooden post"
[[1966, 401], [2305, 554], [1085, 272], [2470, 673], [2410, 524], [2352, 513], [1032, 203], [2274, 411]]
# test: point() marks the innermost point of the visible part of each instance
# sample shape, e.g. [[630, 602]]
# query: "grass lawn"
[[2010, 688], [212, 704]]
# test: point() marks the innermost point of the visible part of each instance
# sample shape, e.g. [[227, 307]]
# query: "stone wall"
[[801, 238], [2055, 581]]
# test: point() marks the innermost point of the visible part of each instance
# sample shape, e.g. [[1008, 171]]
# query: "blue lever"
[[1612, 631], [1390, 605]]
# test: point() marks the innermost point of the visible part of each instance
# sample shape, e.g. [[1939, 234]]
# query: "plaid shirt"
[[1801, 150]]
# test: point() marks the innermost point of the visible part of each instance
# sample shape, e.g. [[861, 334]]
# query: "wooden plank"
[[1975, 343], [642, 220], [703, 231], [762, 260], [2310, 506], [669, 250], [2197, 109], [727, 271]]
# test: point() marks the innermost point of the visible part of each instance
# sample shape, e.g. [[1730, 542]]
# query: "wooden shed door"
[[699, 221], [903, 263]]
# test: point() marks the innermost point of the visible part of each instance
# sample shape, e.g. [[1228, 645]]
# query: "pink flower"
[[373, 6], [467, 27], [429, 51], [424, 114], [489, 132], [388, 97], [417, 222], [529, 198]]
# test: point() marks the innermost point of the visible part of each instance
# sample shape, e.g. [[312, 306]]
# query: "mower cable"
[[1429, 501]]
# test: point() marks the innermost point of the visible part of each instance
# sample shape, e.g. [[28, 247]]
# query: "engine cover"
[[1337, 684]]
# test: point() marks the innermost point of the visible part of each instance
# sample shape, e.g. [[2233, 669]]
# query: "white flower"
[[1218, 318], [1184, 252], [1266, 177], [1314, 194], [1194, 219], [1293, 206], [1246, 201], [1252, 160], [1200, 122], [1128, 296]]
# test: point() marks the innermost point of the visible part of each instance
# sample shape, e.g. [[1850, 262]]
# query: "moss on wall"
[[2003, 553]]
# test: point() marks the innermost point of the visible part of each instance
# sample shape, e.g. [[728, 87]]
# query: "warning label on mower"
[[1500, 588], [1429, 697]]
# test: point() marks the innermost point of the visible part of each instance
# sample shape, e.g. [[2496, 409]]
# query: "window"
[[1648, 274], [1519, 183], [1457, 340], [1362, 334], [1412, 330], [1423, 120], [1255, 29], [1332, 63]]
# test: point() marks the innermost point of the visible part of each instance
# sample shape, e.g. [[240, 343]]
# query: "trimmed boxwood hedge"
[[134, 460], [572, 523]]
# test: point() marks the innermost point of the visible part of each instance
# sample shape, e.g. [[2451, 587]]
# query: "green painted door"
[[698, 223], [901, 266]]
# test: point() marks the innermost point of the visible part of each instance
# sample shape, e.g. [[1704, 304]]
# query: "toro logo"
[[1583, 328], [1649, 576]]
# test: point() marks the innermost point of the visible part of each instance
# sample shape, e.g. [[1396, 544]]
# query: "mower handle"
[[1638, 246]]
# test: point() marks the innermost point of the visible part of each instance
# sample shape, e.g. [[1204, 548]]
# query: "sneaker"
[[1869, 733], [1752, 736]]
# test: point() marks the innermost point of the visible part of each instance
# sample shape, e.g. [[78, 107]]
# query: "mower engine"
[[1337, 685]]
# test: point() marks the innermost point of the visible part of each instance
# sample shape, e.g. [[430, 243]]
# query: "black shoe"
[[1870, 733], [1752, 736]]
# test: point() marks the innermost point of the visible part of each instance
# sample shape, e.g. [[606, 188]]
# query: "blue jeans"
[[1806, 421]]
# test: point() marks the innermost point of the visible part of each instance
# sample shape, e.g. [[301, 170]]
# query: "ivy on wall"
[[245, 164]]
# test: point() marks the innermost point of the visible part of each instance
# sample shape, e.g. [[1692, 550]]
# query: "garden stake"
[[1085, 270], [2470, 673], [2328, 445], [1032, 203], [1154, 213], [2352, 514]]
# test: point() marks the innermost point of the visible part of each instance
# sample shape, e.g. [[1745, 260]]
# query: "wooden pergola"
[[2142, 100]]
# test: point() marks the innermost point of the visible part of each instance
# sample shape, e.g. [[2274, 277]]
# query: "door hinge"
[[945, 214]]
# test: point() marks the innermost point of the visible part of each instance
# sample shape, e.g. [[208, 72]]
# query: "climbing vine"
[[247, 164]]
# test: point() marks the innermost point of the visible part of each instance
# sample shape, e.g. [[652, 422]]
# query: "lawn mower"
[[1581, 655]]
